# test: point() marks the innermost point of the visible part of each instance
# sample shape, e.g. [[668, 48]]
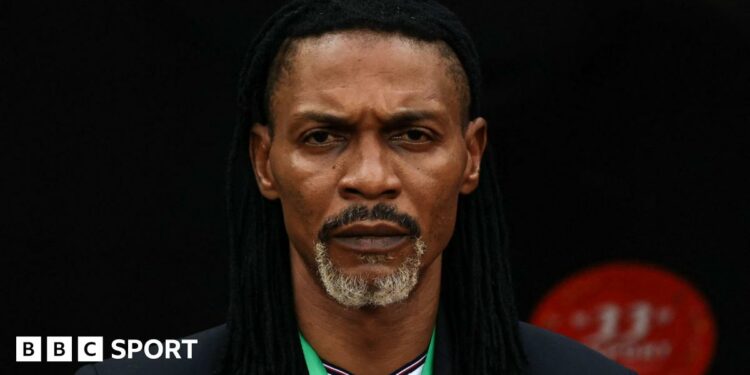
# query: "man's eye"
[[414, 136], [320, 138]]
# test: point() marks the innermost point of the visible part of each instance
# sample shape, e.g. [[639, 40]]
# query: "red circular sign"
[[644, 317]]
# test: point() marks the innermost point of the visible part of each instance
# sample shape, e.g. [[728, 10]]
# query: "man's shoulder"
[[551, 354], [207, 354], [548, 354]]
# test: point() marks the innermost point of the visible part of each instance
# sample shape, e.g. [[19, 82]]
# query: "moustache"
[[360, 212]]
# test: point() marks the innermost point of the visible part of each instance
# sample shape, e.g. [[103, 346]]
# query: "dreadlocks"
[[476, 294]]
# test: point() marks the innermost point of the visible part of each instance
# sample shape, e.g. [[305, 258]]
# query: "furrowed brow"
[[410, 116], [398, 119], [322, 117]]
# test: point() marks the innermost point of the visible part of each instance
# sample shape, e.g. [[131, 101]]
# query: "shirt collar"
[[315, 366]]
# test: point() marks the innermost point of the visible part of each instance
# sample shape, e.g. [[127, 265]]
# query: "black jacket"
[[548, 354]]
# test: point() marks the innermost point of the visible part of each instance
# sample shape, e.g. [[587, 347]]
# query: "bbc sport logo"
[[91, 348]]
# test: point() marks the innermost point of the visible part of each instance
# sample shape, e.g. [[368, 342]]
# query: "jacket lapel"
[[441, 362]]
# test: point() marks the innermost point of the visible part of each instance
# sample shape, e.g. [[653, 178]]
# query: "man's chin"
[[369, 272], [369, 283]]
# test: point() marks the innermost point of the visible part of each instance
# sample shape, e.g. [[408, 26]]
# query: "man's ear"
[[475, 137], [260, 149]]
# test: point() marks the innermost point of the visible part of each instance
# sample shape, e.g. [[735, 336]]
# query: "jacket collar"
[[442, 362]]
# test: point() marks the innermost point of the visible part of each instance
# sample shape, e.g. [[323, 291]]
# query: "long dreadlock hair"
[[476, 293]]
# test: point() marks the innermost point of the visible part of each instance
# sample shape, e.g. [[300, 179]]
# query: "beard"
[[357, 291]]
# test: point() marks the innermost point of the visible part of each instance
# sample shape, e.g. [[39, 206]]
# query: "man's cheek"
[[443, 221], [298, 199]]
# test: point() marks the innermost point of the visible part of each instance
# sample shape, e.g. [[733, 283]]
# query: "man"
[[363, 239]]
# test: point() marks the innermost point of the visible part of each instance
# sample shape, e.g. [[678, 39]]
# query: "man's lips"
[[381, 244], [370, 238]]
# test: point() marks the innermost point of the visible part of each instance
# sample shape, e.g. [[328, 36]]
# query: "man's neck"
[[366, 340]]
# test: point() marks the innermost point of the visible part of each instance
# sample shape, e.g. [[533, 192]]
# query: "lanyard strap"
[[315, 365]]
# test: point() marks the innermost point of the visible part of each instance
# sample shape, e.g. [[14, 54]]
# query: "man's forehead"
[[388, 69], [364, 52], [364, 36]]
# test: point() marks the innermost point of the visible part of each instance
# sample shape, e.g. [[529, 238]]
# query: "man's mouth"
[[380, 237]]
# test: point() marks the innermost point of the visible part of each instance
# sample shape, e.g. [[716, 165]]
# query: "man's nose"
[[369, 173]]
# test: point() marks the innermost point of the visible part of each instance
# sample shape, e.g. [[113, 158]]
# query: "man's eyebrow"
[[399, 118], [411, 116], [322, 117]]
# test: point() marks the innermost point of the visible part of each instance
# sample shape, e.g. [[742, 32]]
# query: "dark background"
[[620, 128]]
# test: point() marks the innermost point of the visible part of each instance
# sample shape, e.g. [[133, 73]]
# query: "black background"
[[619, 124]]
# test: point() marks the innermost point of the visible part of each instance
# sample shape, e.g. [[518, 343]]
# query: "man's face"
[[369, 154]]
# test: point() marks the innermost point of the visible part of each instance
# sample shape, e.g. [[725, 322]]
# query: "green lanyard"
[[315, 365]]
